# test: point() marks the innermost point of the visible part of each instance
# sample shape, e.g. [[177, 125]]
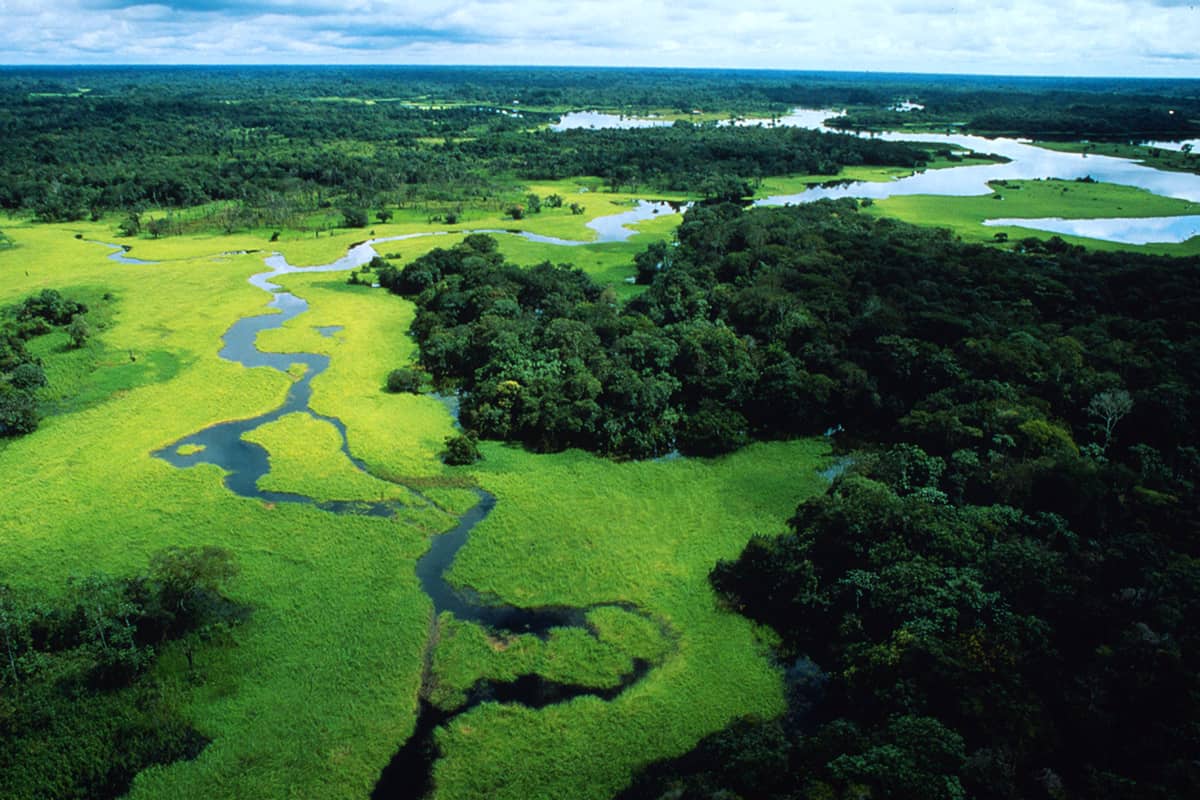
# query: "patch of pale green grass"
[[577, 530], [1047, 198], [312, 695]]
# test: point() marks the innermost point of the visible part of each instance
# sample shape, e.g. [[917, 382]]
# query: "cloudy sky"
[[1021, 37]]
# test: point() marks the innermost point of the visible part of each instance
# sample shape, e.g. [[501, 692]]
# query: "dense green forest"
[[82, 711], [782, 322], [1061, 111], [997, 597], [1017, 519], [277, 142], [278, 157]]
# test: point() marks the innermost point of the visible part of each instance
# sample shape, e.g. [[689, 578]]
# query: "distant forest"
[[279, 141]]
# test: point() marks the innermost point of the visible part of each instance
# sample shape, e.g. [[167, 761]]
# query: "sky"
[[1137, 38]]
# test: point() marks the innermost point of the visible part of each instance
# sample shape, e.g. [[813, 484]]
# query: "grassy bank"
[[572, 528], [1156, 157], [1038, 198]]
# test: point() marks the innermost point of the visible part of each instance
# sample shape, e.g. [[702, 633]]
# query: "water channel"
[[1024, 161], [245, 463]]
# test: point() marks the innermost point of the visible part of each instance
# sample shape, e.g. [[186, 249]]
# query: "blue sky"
[[1020, 37]]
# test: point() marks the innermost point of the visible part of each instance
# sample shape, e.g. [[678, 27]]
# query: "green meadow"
[[1157, 157], [1041, 198], [313, 694], [574, 529]]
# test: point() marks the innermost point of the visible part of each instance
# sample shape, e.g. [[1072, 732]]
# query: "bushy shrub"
[[405, 379], [461, 449]]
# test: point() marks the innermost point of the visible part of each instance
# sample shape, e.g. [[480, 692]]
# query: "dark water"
[[409, 774]]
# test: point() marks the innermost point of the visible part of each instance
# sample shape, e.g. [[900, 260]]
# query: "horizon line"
[[612, 68]]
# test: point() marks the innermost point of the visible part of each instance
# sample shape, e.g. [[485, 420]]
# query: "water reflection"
[[1127, 230], [1025, 161], [1177, 146], [597, 120]]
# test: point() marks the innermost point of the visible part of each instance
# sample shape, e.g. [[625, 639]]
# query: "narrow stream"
[[409, 775], [118, 253]]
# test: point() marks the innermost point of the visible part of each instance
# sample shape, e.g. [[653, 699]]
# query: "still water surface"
[[1025, 161]]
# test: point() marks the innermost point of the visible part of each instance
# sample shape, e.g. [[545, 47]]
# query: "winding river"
[[1024, 161], [409, 775]]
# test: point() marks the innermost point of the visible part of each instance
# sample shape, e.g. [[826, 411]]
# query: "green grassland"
[[467, 652], [322, 239], [1041, 198], [320, 471], [1156, 157], [316, 689], [572, 528], [311, 696]]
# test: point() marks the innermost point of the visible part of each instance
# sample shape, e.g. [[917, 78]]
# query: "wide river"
[[1026, 161]]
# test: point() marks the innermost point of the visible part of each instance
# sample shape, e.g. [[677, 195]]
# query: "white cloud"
[[1076, 37]]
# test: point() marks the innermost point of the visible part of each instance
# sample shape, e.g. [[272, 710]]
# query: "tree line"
[[81, 712], [21, 373], [997, 596], [278, 142], [78, 157]]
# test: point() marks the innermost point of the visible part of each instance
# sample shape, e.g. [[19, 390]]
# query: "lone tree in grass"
[[131, 225], [79, 331], [462, 449], [159, 226], [405, 379], [354, 218]]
